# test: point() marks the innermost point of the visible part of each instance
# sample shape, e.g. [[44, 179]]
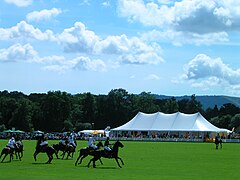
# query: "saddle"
[[43, 148]]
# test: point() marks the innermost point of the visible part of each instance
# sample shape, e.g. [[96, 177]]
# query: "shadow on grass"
[[6, 162], [40, 163], [98, 167]]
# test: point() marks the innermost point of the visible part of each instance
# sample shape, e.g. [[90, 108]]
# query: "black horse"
[[7, 151], [59, 147], [69, 149], [218, 141], [18, 150], [84, 152], [46, 149], [111, 154]]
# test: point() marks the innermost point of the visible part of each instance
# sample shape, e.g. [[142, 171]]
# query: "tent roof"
[[168, 122]]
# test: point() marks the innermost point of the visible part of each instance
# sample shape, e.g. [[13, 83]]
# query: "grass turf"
[[143, 160]]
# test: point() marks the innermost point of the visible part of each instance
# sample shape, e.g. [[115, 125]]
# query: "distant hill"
[[208, 101]]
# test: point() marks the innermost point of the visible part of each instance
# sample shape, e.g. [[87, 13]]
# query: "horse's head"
[[119, 144], [99, 144]]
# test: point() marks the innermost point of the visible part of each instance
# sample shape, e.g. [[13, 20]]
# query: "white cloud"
[[195, 16], [43, 14], [18, 52], [130, 50], [195, 21], [82, 63], [78, 39], [204, 71], [180, 38], [85, 63], [20, 3], [106, 4], [152, 77], [25, 31]]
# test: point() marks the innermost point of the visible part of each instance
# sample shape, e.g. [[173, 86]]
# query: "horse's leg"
[[63, 154], [90, 162], [50, 158], [1, 155], [118, 162], [85, 155], [19, 156], [121, 160], [11, 156], [101, 161], [56, 153], [77, 159], [35, 155], [4, 157], [16, 154], [68, 154]]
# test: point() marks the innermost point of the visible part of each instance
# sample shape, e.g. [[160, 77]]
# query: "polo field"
[[142, 160]]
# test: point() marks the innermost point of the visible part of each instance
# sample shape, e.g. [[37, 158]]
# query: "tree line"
[[57, 111]]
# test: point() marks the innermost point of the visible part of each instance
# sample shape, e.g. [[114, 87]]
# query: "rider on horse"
[[11, 143], [107, 149], [63, 141], [72, 140], [91, 143], [43, 142]]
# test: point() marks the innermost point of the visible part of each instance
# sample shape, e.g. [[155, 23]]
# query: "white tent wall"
[[166, 125]]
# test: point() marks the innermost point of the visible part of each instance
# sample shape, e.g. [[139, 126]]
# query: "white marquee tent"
[[175, 122]]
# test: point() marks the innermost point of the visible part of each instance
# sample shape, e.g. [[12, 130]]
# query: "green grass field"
[[143, 160]]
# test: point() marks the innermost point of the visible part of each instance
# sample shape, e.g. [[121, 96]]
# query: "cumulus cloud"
[[193, 16], [24, 30], [130, 50], [18, 52], [196, 18], [20, 3], [78, 39], [80, 63], [85, 63], [204, 71], [178, 38], [27, 53], [45, 14]]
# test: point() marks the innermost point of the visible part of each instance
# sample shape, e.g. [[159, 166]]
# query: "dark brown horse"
[[7, 151], [19, 150], [59, 147], [84, 152], [111, 154], [69, 149], [49, 150]]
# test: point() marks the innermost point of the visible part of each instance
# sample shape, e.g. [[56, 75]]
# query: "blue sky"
[[165, 47]]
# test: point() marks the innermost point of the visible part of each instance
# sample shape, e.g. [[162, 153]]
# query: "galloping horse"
[[7, 150], [59, 147], [48, 149], [18, 150], [84, 152], [112, 154], [69, 149]]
